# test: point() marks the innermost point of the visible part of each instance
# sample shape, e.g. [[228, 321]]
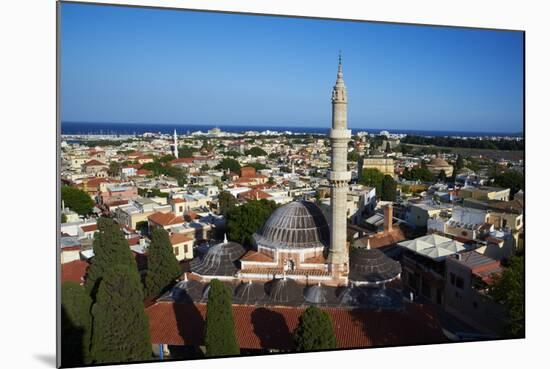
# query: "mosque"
[[299, 257]]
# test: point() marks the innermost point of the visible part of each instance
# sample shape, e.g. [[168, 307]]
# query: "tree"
[[63, 218], [353, 156], [76, 325], [509, 289], [162, 266], [228, 163], [314, 331], [389, 189], [372, 177], [120, 325], [114, 168], [512, 180], [256, 151], [244, 220], [185, 152], [226, 201], [442, 176], [388, 147], [110, 249], [459, 164], [219, 336], [77, 200]]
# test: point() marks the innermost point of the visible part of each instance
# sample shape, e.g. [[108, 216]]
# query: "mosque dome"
[[248, 293], [316, 294], [187, 291], [372, 266], [219, 260], [284, 291], [438, 162], [297, 225]]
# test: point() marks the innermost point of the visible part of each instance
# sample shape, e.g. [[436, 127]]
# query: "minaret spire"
[[339, 177], [175, 144]]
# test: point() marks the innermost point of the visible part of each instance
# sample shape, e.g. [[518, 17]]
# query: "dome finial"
[[225, 237]]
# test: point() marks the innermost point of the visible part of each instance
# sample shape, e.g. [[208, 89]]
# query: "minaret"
[[339, 177], [175, 144]]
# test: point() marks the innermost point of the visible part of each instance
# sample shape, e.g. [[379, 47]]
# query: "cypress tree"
[[75, 324], [220, 339], [163, 266], [314, 331], [120, 327], [110, 249], [389, 189]]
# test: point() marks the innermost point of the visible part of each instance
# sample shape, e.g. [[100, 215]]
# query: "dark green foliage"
[[114, 168], [509, 289], [459, 164], [471, 143], [120, 327], [110, 249], [166, 158], [163, 267], [353, 156], [226, 201], [231, 164], [76, 325], [314, 331], [185, 151], [442, 176], [219, 336], [389, 189], [166, 169], [388, 147], [372, 177], [418, 174], [512, 180], [77, 200], [153, 192], [256, 151], [63, 218], [244, 220], [142, 226]]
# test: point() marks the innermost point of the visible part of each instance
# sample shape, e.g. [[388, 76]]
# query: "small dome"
[[219, 260], [316, 294], [350, 296], [299, 224], [187, 291], [372, 266], [438, 162], [206, 290], [248, 293], [284, 291]]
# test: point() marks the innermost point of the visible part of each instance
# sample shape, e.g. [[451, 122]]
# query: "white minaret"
[[175, 144], [339, 177]]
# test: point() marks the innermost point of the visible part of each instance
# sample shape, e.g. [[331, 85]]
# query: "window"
[[460, 283], [185, 249], [176, 251], [181, 209]]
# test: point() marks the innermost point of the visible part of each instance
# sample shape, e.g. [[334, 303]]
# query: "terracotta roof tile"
[[74, 271], [178, 238], [260, 327], [256, 256], [165, 219]]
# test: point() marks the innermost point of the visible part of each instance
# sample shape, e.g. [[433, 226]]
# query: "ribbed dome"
[[187, 291], [372, 266], [316, 294], [219, 260], [248, 293], [299, 224], [284, 291]]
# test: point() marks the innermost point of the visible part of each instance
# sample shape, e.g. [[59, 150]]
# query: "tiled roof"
[[165, 219], [256, 256], [178, 238], [73, 271], [260, 327], [89, 228], [94, 162]]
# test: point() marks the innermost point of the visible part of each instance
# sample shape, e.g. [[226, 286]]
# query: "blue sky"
[[121, 64]]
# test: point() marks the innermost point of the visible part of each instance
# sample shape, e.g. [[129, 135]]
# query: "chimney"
[[388, 218]]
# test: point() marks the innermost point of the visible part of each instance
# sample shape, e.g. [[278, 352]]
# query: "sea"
[[103, 128]]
